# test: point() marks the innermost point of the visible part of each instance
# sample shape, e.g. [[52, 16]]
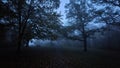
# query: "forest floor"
[[44, 57]]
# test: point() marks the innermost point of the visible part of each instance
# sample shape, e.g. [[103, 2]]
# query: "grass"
[[46, 57]]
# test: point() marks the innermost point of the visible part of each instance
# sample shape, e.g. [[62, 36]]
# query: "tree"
[[46, 20], [109, 14], [32, 18], [80, 14]]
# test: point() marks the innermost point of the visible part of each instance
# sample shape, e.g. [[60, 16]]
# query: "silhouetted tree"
[[32, 19], [110, 15], [80, 14]]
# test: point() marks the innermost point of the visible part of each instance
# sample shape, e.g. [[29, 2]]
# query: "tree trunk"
[[19, 44], [85, 44], [27, 43]]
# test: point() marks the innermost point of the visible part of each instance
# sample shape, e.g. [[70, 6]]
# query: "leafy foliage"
[[33, 19], [82, 13]]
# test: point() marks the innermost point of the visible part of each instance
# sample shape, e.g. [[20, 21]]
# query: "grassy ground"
[[58, 58]]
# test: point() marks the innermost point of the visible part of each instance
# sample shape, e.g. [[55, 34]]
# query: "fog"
[[106, 41]]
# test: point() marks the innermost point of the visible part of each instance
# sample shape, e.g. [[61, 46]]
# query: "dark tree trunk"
[[19, 45], [85, 44], [27, 43], [19, 40]]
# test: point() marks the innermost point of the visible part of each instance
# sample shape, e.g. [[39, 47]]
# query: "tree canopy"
[[83, 14], [32, 19]]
